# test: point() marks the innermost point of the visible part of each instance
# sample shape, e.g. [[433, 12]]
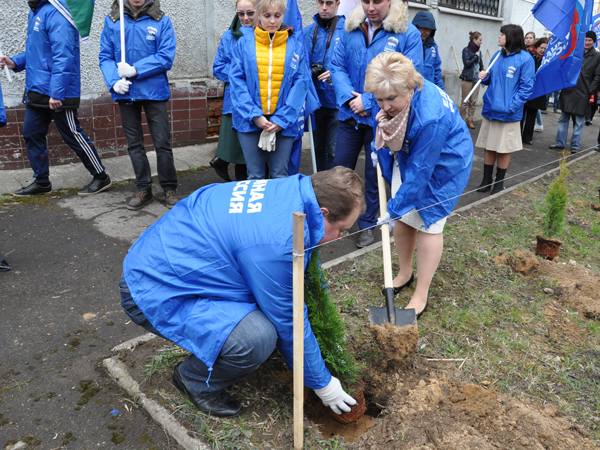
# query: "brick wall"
[[194, 113]]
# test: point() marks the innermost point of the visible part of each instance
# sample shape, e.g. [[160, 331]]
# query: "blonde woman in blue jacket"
[[425, 153], [270, 81]]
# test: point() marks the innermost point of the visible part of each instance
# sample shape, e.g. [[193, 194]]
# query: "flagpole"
[[6, 69], [122, 24], [491, 64]]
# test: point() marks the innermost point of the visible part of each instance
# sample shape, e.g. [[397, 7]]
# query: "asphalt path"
[[60, 312]]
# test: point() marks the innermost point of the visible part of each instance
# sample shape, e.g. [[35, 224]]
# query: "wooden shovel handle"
[[385, 232]]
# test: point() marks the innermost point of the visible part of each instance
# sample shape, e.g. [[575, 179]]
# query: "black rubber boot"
[[499, 184], [241, 172], [488, 170]]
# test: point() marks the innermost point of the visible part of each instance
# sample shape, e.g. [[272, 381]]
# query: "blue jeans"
[[256, 157], [250, 343], [563, 129], [555, 103], [350, 142], [157, 117], [325, 135], [35, 130], [539, 117]]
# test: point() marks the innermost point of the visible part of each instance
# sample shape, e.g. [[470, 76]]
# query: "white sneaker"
[[538, 127]]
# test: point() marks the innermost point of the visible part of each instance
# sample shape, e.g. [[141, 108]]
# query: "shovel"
[[389, 313]]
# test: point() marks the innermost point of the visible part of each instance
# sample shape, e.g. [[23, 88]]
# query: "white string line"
[[448, 199]]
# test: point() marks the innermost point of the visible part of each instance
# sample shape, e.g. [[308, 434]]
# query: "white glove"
[[387, 219], [121, 87], [126, 71], [267, 141], [334, 397], [374, 159]]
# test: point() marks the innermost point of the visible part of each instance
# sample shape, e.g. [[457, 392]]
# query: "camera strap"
[[332, 27]]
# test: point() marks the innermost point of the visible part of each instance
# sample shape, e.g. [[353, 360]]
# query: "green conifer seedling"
[[327, 325], [556, 203]]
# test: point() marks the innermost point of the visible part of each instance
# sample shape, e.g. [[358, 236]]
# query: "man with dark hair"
[[574, 101], [215, 277], [52, 92]]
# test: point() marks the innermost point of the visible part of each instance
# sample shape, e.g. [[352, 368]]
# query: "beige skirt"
[[413, 219], [501, 137]]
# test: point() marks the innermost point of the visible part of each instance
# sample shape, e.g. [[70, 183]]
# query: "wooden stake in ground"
[[299, 330]]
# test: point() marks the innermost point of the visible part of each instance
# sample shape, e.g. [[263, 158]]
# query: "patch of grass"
[[165, 360], [494, 317]]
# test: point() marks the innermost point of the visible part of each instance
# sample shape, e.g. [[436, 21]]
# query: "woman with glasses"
[[269, 77], [425, 152], [229, 149]]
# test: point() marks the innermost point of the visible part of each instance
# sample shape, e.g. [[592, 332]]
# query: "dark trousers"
[[325, 135], [528, 123], [591, 112], [160, 131], [350, 142], [249, 345], [35, 130]]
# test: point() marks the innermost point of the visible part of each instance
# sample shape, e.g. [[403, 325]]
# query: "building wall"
[[195, 107]]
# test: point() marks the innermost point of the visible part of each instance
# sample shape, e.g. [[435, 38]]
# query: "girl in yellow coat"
[[269, 83]]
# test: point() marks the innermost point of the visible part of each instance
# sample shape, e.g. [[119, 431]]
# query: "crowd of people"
[[214, 275]]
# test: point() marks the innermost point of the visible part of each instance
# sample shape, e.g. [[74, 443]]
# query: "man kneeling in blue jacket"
[[214, 276]]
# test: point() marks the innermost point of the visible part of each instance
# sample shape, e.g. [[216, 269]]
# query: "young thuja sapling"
[[330, 331], [556, 203], [554, 214], [327, 325]]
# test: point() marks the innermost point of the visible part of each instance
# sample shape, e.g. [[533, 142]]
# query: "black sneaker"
[[96, 186], [33, 189]]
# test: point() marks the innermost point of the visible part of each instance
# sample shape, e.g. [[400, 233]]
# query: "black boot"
[[488, 170], [241, 172], [499, 184], [220, 167]]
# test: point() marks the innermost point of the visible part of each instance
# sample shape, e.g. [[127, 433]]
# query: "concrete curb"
[[131, 344], [118, 372]]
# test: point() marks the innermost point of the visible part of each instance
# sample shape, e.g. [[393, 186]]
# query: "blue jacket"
[[222, 63], [324, 89], [353, 55], [221, 253], [435, 161], [51, 55], [510, 83], [432, 63], [150, 48], [243, 76], [2, 109]]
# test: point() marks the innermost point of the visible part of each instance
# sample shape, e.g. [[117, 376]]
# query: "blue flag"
[[293, 19], [556, 15], [562, 61], [596, 28]]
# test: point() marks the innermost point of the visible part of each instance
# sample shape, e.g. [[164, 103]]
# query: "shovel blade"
[[379, 316]]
